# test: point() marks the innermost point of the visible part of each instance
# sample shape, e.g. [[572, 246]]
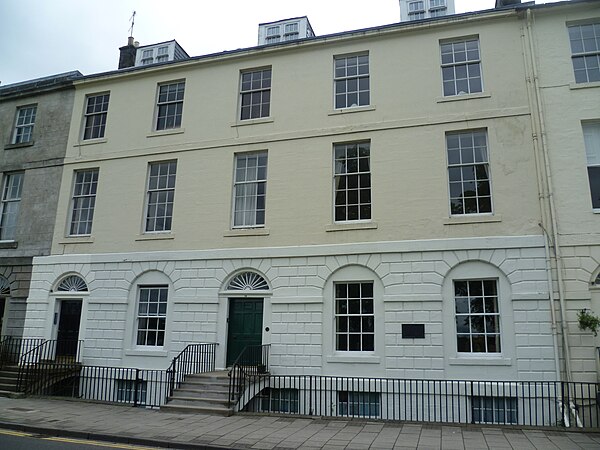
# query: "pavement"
[[125, 424]]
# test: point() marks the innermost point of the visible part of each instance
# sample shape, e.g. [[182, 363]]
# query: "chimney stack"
[[127, 54]]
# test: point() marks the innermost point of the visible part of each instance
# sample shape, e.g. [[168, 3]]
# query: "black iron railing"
[[253, 362], [12, 348], [195, 358], [46, 363], [522, 403]]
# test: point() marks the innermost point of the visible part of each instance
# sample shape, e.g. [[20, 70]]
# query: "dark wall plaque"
[[413, 331]]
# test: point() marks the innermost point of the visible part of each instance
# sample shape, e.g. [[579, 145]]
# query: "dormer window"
[[291, 31], [147, 57], [163, 54], [273, 35], [433, 4], [416, 10]]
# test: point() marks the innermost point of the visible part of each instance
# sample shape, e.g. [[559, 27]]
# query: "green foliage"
[[588, 321]]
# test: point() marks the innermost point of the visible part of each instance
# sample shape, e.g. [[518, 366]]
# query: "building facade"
[[359, 217], [34, 122]]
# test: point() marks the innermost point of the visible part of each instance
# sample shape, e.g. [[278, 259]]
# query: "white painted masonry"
[[411, 281]]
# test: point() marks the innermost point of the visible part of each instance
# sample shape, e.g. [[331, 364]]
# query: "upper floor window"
[[255, 93], [24, 124], [437, 4], [585, 50], [160, 196], [351, 80], [352, 181], [468, 172], [152, 315], [477, 316], [437, 12], [273, 35], [9, 206], [83, 202], [147, 57], [96, 110], [169, 107], [354, 317], [250, 190], [416, 6], [162, 54], [461, 67], [291, 31], [591, 134]]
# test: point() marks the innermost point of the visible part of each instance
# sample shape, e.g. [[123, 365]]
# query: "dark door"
[[245, 325], [68, 328]]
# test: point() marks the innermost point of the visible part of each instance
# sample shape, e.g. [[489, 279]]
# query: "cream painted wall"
[[406, 125]]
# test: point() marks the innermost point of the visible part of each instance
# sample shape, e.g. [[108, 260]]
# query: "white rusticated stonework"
[[412, 282], [581, 267]]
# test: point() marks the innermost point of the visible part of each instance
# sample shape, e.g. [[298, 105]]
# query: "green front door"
[[245, 325]]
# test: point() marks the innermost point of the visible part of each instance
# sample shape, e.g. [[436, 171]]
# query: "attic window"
[[147, 57], [4, 286], [291, 31], [273, 35], [163, 54], [72, 283], [248, 281]]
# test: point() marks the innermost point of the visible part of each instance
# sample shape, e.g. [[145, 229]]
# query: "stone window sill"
[[238, 232], [476, 218], [166, 132], [241, 123], [91, 142], [19, 145], [155, 237], [77, 240], [593, 84], [8, 244], [149, 352], [468, 361], [457, 98], [367, 359], [351, 226], [355, 109]]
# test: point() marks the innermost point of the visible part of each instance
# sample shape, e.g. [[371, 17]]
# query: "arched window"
[[72, 283], [4, 286], [248, 281], [596, 282]]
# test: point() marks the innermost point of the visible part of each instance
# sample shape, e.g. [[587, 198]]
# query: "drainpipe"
[[543, 209], [554, 226]]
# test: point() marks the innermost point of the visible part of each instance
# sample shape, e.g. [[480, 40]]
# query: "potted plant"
[[588, 321]]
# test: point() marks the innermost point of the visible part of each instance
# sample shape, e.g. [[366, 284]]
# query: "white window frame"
[[291, 31], [469, 68], [585, 53], [250, 178], [83, 201], [162, 53], [416, 6], [10, 200], [169, 95], [280, 400], [255, 84], [464, 311], [437, 4], [341, 172], [158, 186], [345, 313], [591, 135], [353, 404], [147, 56], [151, 316], [349, 70], [273, 34], [24, 123], [470, 159], [490, 409], [95, 116]]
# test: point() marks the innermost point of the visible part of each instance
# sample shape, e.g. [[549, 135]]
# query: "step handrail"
[[194, 358], [251, 362]]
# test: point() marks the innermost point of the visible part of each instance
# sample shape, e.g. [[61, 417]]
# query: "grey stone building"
[[34, 125]]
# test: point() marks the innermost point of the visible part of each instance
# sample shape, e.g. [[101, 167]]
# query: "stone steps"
[[205, 393]]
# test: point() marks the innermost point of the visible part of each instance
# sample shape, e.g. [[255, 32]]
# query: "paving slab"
[[142, 426]]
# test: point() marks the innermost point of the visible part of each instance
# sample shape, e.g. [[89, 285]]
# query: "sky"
[[45, 37]]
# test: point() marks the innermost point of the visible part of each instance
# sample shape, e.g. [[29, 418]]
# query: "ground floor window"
[[126, 391], [354, 317], [152, 315], [280, 400], [363, 404], [494, 410]]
